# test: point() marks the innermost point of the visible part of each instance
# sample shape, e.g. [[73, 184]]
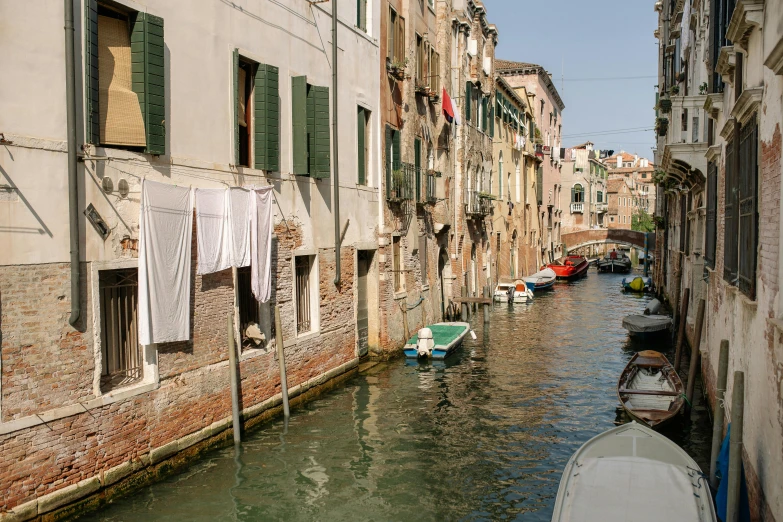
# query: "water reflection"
[[484, 434]]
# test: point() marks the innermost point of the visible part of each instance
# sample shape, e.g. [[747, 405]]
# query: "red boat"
[[572, 267]]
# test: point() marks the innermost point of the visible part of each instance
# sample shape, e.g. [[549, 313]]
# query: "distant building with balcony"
[[547, 108], [584, 183], [638, 172]]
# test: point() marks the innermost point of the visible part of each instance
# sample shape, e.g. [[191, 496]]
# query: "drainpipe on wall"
[[73, 184], [335, 148]]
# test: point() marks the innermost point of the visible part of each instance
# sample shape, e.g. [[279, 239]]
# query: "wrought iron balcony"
[[401, 182], [477, 204]]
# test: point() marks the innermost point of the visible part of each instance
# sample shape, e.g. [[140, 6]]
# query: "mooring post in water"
[[464, 305], [281, 361], [718, 416], [681, 329], [486, 305], [232, 372], [405, 328], [695, 354], [646, 252], [735, 447]]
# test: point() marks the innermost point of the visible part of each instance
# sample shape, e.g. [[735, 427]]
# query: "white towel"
[[239, 224], [165, 231], [261, 244], [212, 230]]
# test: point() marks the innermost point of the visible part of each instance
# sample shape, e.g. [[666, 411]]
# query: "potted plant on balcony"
[[665, 105], [661, 126], [398, 184], [660, 222], [396, 68], [674, 90], [681, 77], [703, 88]]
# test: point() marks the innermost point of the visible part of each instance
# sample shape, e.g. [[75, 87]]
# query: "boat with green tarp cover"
[[436, 341]]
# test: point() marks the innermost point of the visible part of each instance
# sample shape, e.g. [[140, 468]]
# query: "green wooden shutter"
[[396, 156], [388, 144], [235, 83], [267, 118], [361, 130], [417, 166], [93, 131], [468, 96], [148, 75], [299, 124], [492, 122], [484, 113], [361, 14], [318, 131]]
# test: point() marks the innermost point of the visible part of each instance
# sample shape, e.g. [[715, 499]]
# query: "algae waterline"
[[482, 435]]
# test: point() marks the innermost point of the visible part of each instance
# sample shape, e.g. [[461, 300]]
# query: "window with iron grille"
[[712, 211], [748, 208], [303, 267], [249, 307], [731, 216], [120, 348]]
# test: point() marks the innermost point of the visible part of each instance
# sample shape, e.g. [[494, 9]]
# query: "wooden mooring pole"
[[464, 306], [281, 361], [735, 447], [232, 373], [486, 306], [719, 411], [695, 355], [683, 315]]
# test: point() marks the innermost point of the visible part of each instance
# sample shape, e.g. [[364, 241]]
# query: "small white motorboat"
[[522, 294], [436, 341], [632, 473]]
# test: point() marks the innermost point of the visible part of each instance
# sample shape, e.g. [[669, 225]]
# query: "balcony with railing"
[[401, 182], [477, 204], [601, 207], [577, 207]]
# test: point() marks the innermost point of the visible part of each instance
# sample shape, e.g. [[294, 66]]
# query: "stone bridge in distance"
[[582, 238]]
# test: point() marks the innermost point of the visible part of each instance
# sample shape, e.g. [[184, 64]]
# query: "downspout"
[[335, 148], [73, 184]]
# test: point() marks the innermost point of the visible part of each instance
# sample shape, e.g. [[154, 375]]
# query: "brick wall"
[[47, 364], [769, 212]]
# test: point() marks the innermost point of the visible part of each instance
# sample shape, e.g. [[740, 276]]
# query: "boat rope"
[[686, 400], [412, 306]]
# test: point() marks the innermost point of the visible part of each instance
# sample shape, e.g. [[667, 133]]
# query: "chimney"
[[620, 160], [635, 160]]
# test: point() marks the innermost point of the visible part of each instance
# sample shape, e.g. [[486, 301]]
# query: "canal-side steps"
[[632, 473]]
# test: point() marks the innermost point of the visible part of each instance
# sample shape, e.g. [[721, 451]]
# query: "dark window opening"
[[303, 266], [120, 348], [246, 72]]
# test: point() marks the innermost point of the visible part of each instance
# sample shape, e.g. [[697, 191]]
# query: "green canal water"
[[483, 436]]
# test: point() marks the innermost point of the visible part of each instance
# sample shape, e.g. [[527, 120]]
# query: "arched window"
[[577, 194]]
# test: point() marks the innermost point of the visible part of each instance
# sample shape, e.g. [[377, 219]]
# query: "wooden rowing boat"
[[649, 389]]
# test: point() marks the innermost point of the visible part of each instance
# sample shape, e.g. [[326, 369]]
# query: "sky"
[[580, 40]]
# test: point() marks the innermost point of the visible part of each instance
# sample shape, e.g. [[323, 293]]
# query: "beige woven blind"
[[121, 122]]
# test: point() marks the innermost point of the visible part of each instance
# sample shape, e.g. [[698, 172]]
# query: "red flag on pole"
[[448, 108]]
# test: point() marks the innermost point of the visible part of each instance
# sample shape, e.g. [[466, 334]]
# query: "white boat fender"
[[425, 344], [652, 307], [473, 335]]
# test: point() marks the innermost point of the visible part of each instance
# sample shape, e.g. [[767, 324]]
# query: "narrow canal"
[[484, 435]]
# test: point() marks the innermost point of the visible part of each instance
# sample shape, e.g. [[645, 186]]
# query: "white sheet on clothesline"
[[212, 230], [239, 213], [261, 243], [165, 229]]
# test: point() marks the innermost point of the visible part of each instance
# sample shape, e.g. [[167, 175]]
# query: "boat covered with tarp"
[[646, 324], [637, 284], [621, 263], [632, 473], [541, 280], [436, 341]]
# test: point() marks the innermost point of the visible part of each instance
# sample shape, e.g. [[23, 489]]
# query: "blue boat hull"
[[411, 353], [539, 287]]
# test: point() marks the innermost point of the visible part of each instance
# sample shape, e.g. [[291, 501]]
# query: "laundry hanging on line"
[[261, 243], [223, 229], [165, 231]]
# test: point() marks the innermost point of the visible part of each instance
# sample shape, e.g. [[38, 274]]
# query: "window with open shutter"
[[388, 149], [748, 208], [362, 118], [468, 99], [299, 124], [399, 42], [129, 44], [730, 216], [361, 15], [267, 118], [417, 166], [712, 208], [318, 138]]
